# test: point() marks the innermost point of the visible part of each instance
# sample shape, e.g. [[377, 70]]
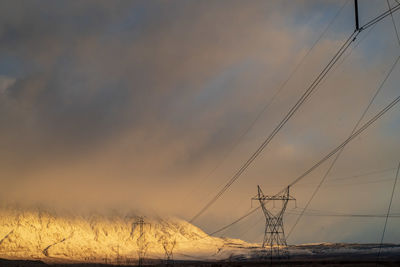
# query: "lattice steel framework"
[[168, 245], [141, 241], [274, 241]]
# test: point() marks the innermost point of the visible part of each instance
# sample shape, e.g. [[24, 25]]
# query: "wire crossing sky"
[[287, 117], [292, 111]]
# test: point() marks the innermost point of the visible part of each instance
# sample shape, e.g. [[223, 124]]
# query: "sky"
[[149, 106]]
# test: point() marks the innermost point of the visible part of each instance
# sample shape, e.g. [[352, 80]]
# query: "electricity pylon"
[[274, 241], [141, 241], [168, 245]]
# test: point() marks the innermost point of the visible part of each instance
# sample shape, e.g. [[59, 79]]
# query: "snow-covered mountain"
[[34, 234], [42, 235]]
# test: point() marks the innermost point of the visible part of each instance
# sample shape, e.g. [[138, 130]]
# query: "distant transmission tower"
[[274, 241], [141, 241], [168, 245]]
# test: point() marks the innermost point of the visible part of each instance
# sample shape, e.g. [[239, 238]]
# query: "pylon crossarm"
[[270, 198]]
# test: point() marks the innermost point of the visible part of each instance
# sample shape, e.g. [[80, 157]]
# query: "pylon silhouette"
[[142, 243], [274, 241]]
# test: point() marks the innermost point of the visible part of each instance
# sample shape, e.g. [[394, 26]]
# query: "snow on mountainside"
[[43, 235], [114, 239]]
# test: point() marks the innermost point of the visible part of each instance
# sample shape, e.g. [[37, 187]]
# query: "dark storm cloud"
[[68, 103], [94, 68]]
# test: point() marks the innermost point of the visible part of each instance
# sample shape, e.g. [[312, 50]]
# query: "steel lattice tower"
[[141, 241], [274, 241], [168, 246]]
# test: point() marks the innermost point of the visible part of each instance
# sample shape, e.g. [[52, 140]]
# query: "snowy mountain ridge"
[[45, 236]]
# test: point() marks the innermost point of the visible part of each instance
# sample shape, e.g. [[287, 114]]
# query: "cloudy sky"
[[147, 106]]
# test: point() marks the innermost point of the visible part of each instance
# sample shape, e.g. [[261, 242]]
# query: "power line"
[[364, 182], [366, 125], [291, 112], [330, 181], [352, 177], [346, 215], [363, 174], [338, 179], [275, 95], [330, 154], [360, 40], [318, 213], [394, 23], [342, 149], [356, 133], [388, 211], [380, 17]]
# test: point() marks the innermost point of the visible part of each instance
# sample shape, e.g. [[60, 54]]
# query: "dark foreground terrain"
[[303, 262], [300, 255]]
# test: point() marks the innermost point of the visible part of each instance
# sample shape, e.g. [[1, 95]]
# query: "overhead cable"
[[291, 112]]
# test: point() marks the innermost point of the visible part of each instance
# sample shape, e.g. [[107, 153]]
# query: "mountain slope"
[[43, 235]]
